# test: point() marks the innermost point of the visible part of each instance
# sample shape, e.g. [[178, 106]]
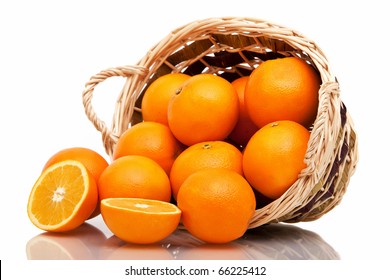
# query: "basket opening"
[[227, 53]]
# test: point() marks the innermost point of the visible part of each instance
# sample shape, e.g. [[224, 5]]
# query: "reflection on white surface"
[[82, 243], [276, 241]]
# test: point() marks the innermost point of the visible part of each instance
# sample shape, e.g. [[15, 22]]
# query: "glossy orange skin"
[[283, 89], [151, 139], [155, 101], [209, 154], [217, 205], [206, 109], [274, 157], [93, 161], [134, 177]]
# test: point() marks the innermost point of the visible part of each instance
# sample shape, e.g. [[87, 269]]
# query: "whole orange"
[[209, 154], [217, 205], [150, 139], [274, 157], [155, 101], [283, 89], [245, 127], [134, 177], [205, 109], [92, 160]]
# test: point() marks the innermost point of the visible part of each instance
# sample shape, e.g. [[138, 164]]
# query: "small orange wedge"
[[140, 221], [63, 197]]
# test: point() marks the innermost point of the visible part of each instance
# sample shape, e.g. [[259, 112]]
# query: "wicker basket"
[[233, 47]]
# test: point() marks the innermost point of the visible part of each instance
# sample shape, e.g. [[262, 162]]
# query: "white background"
[[50, 49]]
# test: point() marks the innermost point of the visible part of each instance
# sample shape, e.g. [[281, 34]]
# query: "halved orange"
[[63, 197], [138, 220]]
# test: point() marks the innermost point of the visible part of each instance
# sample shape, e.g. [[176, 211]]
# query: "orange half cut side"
[[140, 221], [63, 197]]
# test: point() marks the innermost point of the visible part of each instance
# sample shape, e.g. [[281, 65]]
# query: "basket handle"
[[109, 135]]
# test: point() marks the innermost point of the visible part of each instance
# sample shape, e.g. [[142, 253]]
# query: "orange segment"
[[63, 197], [141, 221]]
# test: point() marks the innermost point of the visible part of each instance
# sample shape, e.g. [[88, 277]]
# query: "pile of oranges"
[[207, 154]]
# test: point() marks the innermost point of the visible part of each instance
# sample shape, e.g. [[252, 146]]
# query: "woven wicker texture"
[[233, 47]]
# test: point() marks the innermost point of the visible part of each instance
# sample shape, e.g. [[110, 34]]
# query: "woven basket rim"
[[251, 27]]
